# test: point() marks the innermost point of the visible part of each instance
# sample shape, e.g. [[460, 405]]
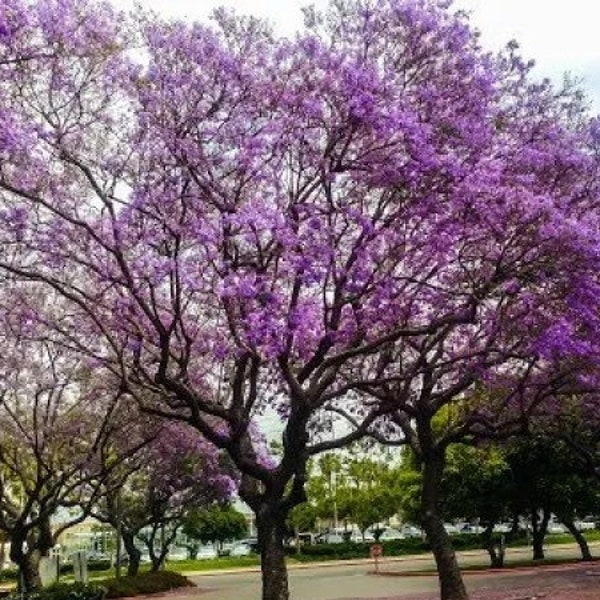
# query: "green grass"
[[209, 564], [593, 535]]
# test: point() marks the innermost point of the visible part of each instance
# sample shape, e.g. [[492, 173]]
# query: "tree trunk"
[[539, 529], [30, 569], [157, 564], [579, 538], [494, 546], [270, 527], [29, 566], [133, 553], [452, 586]]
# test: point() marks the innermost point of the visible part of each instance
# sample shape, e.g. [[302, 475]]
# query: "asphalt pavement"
[[355, 581]]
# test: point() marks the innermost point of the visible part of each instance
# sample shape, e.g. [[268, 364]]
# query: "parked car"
[[556, 528], [586, 523], [451, 529], [356, 536], [206, 552], [411, 531], [94, 555], [241, 549], [391, 534], [331, 537], [503, 527], [469, 528], [225, 548], [176, 553]]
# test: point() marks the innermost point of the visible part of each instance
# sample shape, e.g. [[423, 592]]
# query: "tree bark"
[[29, 566], [539, 529], [579, 538], [133, 553], [270, 528], [157, 556], [452, 586], [494, 547], [30, 569]]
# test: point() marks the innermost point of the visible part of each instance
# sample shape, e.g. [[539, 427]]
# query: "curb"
[[505, 571]]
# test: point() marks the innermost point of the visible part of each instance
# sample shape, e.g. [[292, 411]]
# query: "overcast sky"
[[560, 35]]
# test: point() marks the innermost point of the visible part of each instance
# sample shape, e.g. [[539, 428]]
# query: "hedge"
[[144, 583], [349, 550], [64, 591]]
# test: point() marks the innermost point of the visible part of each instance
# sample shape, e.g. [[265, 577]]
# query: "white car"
[[411, 531], [329, 538], [451, 529], [586, 524], [357, 537], [555, 528], [391, 534], [178, 554], [241, 549], [205, 552], [469, 528]]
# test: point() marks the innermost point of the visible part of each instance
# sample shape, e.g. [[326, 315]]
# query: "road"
[[345, 582], [324, 583]]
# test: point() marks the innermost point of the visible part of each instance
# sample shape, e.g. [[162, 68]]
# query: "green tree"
[[351, 488], [218, 523], [303, 518], [371, 493], [478, 485], [551, 477], [409, 483]]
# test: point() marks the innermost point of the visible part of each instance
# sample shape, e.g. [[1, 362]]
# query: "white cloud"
[[560, 36]]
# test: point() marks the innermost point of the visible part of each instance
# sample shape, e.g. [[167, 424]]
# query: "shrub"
[[10, 574], [65, 591], [331, 551], [73, 591], [98, 565], [144, 583], [349, 550]]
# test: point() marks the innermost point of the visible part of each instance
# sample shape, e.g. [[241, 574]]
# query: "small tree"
[[218, 523], [551, 478], [371, 494], [56, 424], [478, 484], [173, 472]]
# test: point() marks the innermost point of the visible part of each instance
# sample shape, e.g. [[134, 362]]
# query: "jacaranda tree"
[[57, 423], [173, 472], [240, 221]]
